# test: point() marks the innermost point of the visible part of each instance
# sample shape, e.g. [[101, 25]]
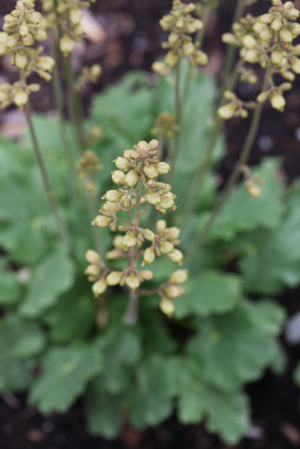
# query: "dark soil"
[[133, 42]]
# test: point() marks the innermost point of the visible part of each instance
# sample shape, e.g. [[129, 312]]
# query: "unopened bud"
[[179, 277], [286, 36], [149, 255], [249, 41], [162, 168], [277, 24], [113, 196], [76, 15], [200, 57], [150, 171], [152, 197], [129, 239], [227, 111], [277, 101], [146, 274], [92, 270], [132, 281], [113, 278], [176, 256], [174, 291], [122, 164], [277, 57], [118, 177], [188, 48], [167, 307], [149, 235], [99, 287], [20, 98], [102, 221], [166, 203], [295, 65], [160, 68], [161, 225], [66, 44], [171, 58], [253, 189], [92, 256], [166, 247]]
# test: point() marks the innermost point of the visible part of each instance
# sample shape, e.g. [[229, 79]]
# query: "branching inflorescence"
[[142, 168]]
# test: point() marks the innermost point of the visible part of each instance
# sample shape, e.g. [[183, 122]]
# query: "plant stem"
[[177, 115], [231, 50], [130, 317], [49, 192], [58, 96], [236, 171], [194, 193]]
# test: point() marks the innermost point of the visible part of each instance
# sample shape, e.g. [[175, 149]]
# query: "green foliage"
[[199, 362]]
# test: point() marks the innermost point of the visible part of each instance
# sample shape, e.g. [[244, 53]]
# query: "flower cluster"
[[138, 167], [88, 165], [165, 125], [252, 182], [22, 27], [265, 40], [180, 25], [69, 14], [88, 75]]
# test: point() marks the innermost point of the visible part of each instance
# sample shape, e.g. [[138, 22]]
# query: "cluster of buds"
[[22, 27], [138, 167], [165, 125], [252, 182], [95, 134], [87, 166], [180, 25], [69, 14], [234, 107], [88, 75], [266, 40]]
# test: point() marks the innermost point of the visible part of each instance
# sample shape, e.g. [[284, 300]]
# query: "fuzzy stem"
[[177, 115], [236, 171], [49, 192], [58, 96], [131, 314]]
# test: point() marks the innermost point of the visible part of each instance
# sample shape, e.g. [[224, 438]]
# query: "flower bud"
[[289, 75], [171, 58], [75, 15], [45, 63], [188, 48], [174, 233], [277, 57], [113, 196], [295, 65], [277, 101], [166, 203], [20, 98], [149, 255], [167, 307], [21, 60], [176, 256], [160, 68], [118, 177], [150, 171], [92, 256], [40, 35], [166, 247], [227, 111], [249, 41], [179, 277], [252, 56], [262, 97], [93, 270], [34, 87], [102, 221], [152, 197], [99, 287], [149, 235], [131, 178], [277, 24], [161, 225], [174, 291], [114, 278], [286, 36], [200, 57], [146, 274], [253, 189], [66, 44], [142, 145], [153, 144], [162, 168], [129, 239], [132, 281], [24, 30], [123, 164], [266, 18], [230, 39]]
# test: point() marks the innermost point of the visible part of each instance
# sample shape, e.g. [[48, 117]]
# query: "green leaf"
[[210, 292], [271, 260], [232, 348], [25, 221], [73, 316], [121, 349], [226, 413], [18, 339], [148, 398], [65, 373], [103, 412], [268, 315], [243, 213], [50, 279], [9, 288], [124, 111]]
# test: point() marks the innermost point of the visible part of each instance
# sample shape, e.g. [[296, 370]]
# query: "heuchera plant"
[[129, 361]]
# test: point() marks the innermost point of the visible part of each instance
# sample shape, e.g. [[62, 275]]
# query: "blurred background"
[[123, 36]]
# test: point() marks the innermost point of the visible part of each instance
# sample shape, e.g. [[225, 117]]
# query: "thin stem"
[[197, 183], [236, 171], [177, 115], [130, 317], [93, 213], [49, 192], [58, 96], [231, 49]]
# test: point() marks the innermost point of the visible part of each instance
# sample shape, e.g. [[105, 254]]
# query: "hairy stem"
[[131, 314], [177, 115], [236, 171], [58, 96], [48, 189]]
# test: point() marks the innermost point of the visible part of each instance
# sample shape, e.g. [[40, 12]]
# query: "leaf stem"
[[48, 189]]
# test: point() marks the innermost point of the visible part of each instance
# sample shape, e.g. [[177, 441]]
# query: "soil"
[[132, 43]]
